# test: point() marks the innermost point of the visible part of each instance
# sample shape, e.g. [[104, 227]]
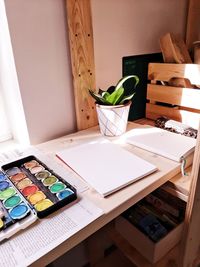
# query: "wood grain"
[[174, 49], [187, 117], [193, 22], [82, 60], [174, 95], [191, 238], [164, 72]]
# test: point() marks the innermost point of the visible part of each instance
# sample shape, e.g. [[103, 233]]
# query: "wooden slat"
[[164, 72], [174, 49], [182, 183], [193, 22], [82, 60], [191, 239], [186, 97], [187, 117]]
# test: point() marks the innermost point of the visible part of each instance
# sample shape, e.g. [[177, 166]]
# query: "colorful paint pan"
[[24, 183], [65, 193], [13, 171], [37, 169], [42, 175], [18, 177], [1, 224], [35, 198], [9, 192], [57, 187], [50, 180], [43, 204], [2, 177], [29, 190], [12, 201], [31, 164], [19, 211], [4, 185]]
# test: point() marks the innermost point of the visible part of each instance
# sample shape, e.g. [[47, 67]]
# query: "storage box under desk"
[[153, 251]]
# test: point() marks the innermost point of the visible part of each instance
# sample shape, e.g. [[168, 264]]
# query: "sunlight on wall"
[[9, 83]]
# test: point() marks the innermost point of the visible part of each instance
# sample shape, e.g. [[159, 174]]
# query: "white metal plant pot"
[[113, 119]]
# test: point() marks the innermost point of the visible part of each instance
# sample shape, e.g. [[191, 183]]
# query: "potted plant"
[[113, 107]]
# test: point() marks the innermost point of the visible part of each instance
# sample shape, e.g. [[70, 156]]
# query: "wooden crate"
[[153, 252], [175, 102]]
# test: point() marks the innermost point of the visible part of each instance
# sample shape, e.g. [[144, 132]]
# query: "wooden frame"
[[82, 58]]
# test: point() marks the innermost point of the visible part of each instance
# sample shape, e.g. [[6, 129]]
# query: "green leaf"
[[122, 80], [125, 98], [115, 97], [99, 99], [105, 95]]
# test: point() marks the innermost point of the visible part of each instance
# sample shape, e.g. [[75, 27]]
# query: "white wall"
[[131, 27], [40, 45], [39, 38]]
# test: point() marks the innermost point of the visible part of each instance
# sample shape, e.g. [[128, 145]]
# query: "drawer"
[[152, 250]]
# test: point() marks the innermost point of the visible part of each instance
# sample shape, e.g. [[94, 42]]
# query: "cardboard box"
[[153, 252]]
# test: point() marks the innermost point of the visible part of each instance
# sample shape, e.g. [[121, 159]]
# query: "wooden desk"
[[116, 203]]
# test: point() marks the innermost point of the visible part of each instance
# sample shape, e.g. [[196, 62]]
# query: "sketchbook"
[[107, 167], [164, 143]]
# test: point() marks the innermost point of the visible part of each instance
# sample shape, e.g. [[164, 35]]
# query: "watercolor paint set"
[[30, 190]]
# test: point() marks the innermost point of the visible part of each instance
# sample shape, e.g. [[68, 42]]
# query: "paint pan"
[[8, 192], [65, 193], [57, 187], [17, 177], [1, 224], [31, 164], [42, 175], [24, 183], [4, 185], [29, 190], [19, 212], [43, 204], [50, 180], [13, 171], [11, 202], [36, 197], [2, 177], [37, 169]]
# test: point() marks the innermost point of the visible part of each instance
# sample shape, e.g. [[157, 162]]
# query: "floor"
[[116, 259]]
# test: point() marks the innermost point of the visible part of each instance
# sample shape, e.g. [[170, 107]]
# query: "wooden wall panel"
[[82, 60], [193, 22], [190, 254]]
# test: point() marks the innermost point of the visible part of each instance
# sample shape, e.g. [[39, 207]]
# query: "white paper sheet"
[[46, 234], [167, 144], [107, 167]]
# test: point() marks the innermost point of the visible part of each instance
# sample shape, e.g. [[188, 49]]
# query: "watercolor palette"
[[44, 190], [15, 212]]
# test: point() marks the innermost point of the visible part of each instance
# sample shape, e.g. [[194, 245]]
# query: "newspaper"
[[37, 240]]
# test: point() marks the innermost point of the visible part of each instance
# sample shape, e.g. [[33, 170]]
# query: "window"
[[12, 118], [5, 132]]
